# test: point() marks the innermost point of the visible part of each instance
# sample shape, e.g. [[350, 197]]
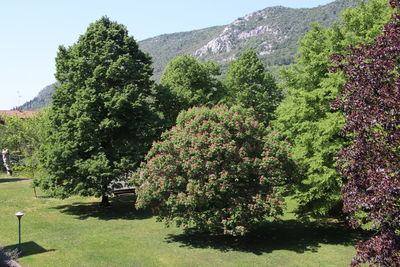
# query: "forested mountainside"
[[41, 100], [273, 32]]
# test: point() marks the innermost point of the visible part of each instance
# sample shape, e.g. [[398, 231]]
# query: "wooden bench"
[[126, 191]]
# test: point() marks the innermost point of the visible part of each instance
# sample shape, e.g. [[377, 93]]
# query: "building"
[[19, 113]]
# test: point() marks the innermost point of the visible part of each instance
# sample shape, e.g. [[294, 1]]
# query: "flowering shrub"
[[217, 170]]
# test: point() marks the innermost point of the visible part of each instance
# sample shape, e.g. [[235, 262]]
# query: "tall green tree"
[[191, 83], [102, 118], [249, 85], [305, 117]]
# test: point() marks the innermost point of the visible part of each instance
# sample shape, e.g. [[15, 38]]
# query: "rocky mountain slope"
[[273, 32]]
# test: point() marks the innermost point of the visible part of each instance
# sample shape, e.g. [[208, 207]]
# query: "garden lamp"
[[19, 216]]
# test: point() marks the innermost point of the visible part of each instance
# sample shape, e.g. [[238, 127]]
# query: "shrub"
[[217, 170], [7, 258]]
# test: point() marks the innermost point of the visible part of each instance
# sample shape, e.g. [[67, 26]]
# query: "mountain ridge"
[[274, 32]]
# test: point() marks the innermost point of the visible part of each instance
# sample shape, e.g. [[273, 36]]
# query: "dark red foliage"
[[394, 3], [371, 102]]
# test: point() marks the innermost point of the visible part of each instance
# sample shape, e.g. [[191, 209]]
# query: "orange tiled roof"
[[18, 113]]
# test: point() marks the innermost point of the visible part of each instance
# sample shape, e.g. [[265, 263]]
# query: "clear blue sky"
[[31, 31]]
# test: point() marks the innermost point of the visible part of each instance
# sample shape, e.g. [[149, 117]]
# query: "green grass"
[[76, 232]]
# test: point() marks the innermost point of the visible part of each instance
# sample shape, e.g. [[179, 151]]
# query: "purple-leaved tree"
[[371, 102]]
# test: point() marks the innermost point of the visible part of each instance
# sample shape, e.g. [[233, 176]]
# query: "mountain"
[[273, 32], [41, 100]]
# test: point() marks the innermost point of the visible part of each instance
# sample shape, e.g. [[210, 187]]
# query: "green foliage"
[[102, 119], [363, 24], [191, 83], [305, 117], [23, 137], [249, 85], [217, 170]]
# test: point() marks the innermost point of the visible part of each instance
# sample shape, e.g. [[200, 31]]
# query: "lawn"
[[76, 232]]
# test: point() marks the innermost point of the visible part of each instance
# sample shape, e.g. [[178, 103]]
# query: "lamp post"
[[19, 216]]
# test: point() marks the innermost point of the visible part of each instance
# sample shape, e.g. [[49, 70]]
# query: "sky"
[[31, 31]]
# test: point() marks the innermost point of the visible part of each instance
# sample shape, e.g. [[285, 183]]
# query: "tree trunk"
[[104, 197], [104, 201]]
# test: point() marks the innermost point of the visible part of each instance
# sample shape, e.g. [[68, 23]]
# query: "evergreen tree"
[[102, 119], [250, 86], [305, 117]]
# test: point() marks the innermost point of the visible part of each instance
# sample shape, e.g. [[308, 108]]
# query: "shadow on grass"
[[10, 180], [286, 235], [44, 197], [122, 207], [28, 248]]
